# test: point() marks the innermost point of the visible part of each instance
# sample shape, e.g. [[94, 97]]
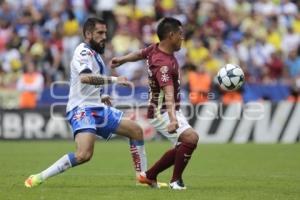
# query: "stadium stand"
[[262, 36]]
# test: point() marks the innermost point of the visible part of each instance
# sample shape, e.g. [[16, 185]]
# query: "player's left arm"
[[170, 104], [164, 76]]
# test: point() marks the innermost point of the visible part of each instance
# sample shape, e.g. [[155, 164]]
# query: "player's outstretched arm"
[[131, 57], [97, 79]]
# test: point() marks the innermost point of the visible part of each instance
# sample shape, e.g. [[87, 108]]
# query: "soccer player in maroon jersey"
[[164, 110]]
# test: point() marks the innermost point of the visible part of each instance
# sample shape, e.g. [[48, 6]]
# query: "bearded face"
[[99, 47], [97, 38]]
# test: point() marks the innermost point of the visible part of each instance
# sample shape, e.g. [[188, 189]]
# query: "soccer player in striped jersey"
[[87, 112]]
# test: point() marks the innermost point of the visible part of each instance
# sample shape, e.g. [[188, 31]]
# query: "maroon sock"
[[182, 157], [166, 161]]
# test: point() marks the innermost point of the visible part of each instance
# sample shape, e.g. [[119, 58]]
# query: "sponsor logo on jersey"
[[86, 52], [83, 52], [165, 78]]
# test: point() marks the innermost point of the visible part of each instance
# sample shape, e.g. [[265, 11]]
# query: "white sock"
[[138, 153], [143, 156], [59, 166]]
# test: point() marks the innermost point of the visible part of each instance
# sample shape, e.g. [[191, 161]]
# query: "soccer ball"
[[230, 77]]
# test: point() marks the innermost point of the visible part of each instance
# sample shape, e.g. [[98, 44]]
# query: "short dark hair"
[[90, 23], [167, 25]]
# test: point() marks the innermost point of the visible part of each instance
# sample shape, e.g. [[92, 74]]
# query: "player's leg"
[[187, 144], [184, 145], [84, 137], [168, 158], [110, 120], [84, 151], [166, 161], [134, 132], [85, 142]]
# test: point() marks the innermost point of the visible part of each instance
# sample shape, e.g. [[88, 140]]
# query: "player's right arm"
[[83, 64], [98, 79], [131, 57]]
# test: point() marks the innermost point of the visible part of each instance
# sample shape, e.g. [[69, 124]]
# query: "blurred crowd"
[[262, 36]]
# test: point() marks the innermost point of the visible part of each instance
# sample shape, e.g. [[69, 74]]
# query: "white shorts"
[[161, 122]]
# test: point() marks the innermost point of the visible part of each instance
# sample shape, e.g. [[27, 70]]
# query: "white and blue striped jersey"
[[80, 94]]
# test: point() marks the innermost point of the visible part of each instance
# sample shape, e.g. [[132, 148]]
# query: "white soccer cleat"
[[177, 185]]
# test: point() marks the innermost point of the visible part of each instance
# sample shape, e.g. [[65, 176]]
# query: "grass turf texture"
[[223, 171]]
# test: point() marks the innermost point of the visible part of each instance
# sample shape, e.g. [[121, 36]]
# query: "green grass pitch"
[[221, 171]]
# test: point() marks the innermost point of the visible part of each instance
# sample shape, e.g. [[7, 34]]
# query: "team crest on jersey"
[[164, 69], [165, 78]]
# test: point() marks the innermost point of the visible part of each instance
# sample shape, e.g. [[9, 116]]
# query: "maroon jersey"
[[163, 70]]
